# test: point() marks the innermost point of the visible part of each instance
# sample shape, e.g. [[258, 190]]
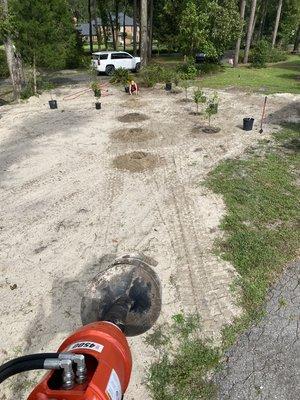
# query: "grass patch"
[[281, 77], [262, 221], [184, 362], [261, 235]]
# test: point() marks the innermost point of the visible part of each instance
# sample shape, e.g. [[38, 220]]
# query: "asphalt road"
[[265, 362]]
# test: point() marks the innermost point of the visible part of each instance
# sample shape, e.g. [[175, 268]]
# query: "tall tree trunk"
[[250, 31], [150, 29], [105, 36], [90, 27], [277, 22], [117, 30], [124, 26], [297, 41], [263, 19], [34, 75], [13, 61], [97, 28], [253, 26], [134, 39], [112, 27], [238, 42], [104, 22], [144, 33]]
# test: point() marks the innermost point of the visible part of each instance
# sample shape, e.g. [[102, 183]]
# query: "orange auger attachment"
[[95, 363]]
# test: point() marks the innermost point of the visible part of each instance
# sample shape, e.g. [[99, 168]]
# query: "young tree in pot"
[[168, 77], [199, 98], [96, 88]]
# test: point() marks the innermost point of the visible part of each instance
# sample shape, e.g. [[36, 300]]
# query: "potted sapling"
[[168, 77], [96, 88], [212, 109], [199, 98], [52, 103]]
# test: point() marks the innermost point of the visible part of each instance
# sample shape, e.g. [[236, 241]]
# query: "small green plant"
[[168, 75], [185, 84], [96, 88], [121, 75], [184, 361], [212, 107], [199, 98]]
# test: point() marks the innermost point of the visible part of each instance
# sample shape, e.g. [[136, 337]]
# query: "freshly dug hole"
[[133, 117], [133, 135], [200, 130], [137, 161]]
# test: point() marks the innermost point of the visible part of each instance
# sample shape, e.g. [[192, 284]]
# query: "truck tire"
[[138, 67], [109, 70]]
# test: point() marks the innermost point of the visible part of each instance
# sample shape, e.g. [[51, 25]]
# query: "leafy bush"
[[276, 55], [188, 70], [4, 72], [168, 75], [260, 54], [263, 53], [121, 75], [152, 74], [209, 68]]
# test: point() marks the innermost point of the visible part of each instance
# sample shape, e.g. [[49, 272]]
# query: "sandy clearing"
[[66, 211]]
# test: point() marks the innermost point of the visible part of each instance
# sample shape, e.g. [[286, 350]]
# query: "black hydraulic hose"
[[25, 363]]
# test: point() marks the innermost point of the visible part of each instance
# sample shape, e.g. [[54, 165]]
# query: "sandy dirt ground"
[[79, 186]]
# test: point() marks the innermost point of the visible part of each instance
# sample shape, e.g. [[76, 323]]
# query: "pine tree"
[[45, 33]]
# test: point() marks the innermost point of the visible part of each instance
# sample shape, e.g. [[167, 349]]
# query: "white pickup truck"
[[109, 61]]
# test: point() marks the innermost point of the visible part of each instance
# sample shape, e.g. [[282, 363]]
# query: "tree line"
[[43, 33]]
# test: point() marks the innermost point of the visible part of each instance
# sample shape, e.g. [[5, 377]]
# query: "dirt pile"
[[133, 135], [133, 117], [137, 161]]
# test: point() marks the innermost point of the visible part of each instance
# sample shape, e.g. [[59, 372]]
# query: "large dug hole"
[[137, 161], [133, 135], [133, 117]]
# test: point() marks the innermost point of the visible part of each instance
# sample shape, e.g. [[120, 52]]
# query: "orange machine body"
[[108, 361]]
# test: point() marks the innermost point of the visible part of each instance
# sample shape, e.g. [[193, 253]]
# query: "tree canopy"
[[44, 32]]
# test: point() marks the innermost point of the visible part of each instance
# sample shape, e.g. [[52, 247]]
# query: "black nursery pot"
[[168, 87], [126, 89], [53, 104], [98, 106], [248, 124]]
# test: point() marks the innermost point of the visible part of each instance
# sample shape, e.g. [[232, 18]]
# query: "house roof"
[[84, 28]]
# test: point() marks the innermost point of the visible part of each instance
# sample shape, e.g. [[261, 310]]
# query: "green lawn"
[[262, 220], [283, 77], [262, 235]]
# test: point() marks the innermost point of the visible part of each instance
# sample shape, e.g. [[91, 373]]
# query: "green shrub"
[[121, 75], [152, 74], [260, 54], [168, 75], [209, 68], [188, 70], [4, 72], [276, 55], [263, 53]]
